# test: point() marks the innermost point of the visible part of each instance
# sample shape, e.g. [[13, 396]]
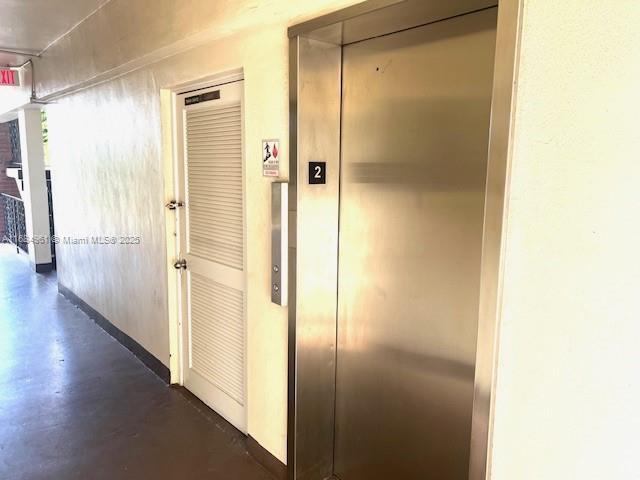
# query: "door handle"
[[174, 204], [180, 264]]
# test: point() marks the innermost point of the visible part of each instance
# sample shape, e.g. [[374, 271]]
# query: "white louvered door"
[[213, 244]]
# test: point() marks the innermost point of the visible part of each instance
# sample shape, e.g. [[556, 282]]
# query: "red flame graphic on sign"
[[274, 152]]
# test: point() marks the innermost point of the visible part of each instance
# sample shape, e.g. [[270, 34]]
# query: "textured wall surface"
[[105, 146], [124, 34], [567, 390]]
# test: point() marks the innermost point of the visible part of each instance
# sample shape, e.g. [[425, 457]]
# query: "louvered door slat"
[[215, 337], [204, 129]]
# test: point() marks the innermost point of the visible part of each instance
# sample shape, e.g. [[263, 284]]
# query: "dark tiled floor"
[[75, 404]]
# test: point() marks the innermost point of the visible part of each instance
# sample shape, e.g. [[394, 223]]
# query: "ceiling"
[[30, 26]]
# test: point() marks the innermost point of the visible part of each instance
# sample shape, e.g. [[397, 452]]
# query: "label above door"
[[203, 97], [271, 158], [317, 173]]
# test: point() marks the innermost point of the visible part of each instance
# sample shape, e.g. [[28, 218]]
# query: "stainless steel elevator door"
[[415, 126]]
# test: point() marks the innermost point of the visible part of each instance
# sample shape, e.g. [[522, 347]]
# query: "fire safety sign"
[[271, 158]]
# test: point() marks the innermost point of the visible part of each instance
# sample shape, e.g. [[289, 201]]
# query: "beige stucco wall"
[[567, 384], [106, 152]]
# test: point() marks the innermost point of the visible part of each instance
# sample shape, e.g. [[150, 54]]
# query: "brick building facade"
[[7, 184]]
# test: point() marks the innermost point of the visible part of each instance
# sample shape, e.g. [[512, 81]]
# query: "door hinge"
[[180, 264], [173, 204]]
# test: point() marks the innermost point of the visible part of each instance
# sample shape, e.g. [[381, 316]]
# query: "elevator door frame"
[[315, 115]]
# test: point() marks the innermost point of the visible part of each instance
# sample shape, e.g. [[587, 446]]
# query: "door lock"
[[180, 264], [173, 204]]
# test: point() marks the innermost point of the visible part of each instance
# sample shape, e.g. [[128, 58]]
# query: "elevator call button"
[[317, 173]]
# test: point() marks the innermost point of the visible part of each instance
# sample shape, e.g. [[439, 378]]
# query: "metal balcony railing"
[[14, 221]]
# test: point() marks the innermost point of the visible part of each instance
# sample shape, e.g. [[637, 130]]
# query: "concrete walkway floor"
[[75, 404]]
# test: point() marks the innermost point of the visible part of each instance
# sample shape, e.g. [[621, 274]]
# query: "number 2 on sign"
[[317, 173]]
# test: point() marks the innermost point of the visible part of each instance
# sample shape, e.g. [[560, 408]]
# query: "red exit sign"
[[9, 77]]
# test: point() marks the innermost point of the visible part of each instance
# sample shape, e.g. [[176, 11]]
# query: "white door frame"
[[173, 158]]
